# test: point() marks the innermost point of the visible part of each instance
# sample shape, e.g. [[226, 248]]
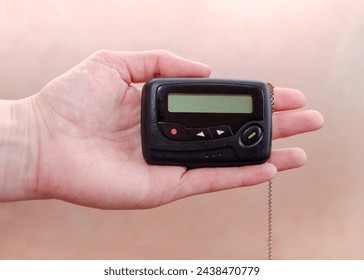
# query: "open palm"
[[90, 146]]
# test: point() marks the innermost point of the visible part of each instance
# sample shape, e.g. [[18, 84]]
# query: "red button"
[[174, 131]]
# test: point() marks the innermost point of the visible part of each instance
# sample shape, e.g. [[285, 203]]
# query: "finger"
[[197, 181], [290, 123], [285, 159], [140, 67], [288, 99]]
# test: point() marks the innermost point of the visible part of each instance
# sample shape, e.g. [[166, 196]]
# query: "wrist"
[[19, 150]]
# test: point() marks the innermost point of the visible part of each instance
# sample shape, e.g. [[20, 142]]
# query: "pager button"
[[199, 133], [174, 131], [251, 135], [220, 131]]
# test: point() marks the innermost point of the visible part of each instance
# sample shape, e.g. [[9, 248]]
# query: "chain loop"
[[270, 193]]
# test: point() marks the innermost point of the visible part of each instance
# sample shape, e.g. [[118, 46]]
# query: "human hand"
[[89, 144]]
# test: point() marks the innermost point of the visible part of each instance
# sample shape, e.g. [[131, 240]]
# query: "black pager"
[[202, 122]]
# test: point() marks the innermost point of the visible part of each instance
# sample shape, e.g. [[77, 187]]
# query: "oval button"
[[251, 135], [174, 131]]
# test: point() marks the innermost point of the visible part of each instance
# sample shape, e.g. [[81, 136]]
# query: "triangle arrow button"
[[199, 133], [219, 132]]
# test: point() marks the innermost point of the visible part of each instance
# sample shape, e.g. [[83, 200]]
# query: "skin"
[[78, 139]]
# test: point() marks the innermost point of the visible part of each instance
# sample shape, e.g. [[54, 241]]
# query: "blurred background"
[[316, 46]]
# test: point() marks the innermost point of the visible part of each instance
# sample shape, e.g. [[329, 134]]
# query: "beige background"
[[316, 46]]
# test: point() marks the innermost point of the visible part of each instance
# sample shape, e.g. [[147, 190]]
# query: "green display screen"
[[210, 103]]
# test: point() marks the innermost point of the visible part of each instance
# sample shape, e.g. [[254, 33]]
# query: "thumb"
[[138, 67]]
